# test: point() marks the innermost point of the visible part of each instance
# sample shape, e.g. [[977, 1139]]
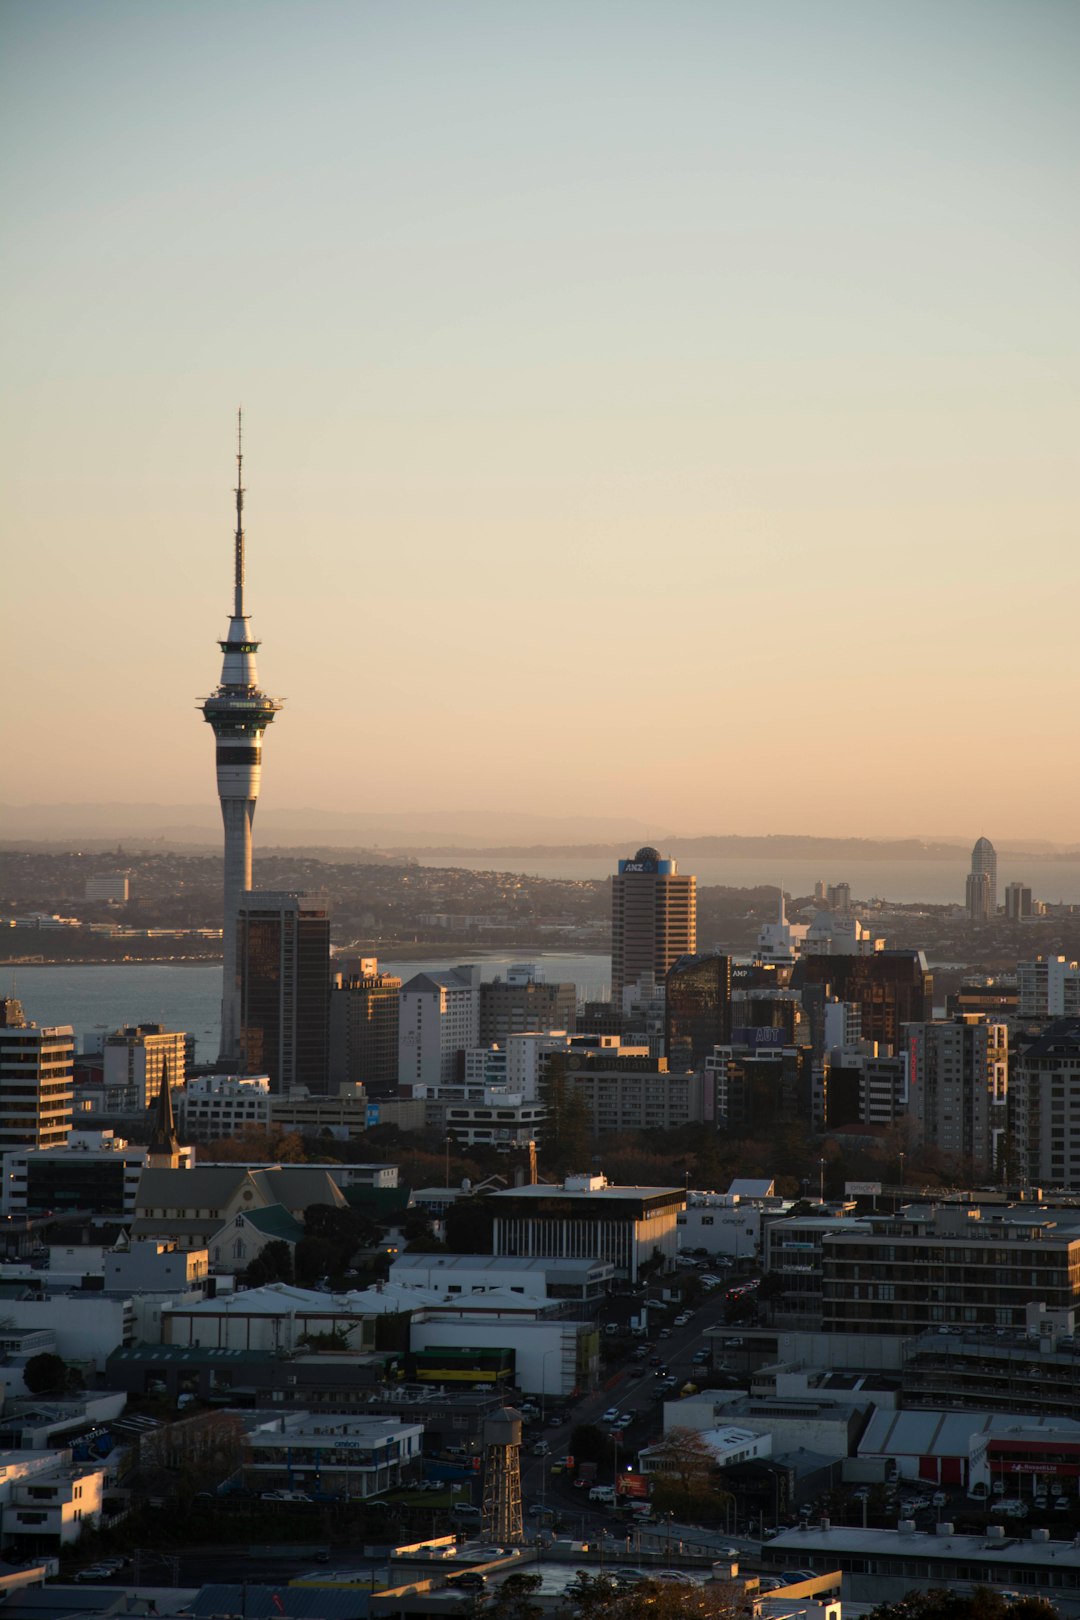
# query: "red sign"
[[635, 1485], [1002, 1467]]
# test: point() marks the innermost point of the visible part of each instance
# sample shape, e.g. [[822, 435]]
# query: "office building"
[[625, 1093], [219, 1105], [984, 864], [1048, 987], [35, 1080], [134, 1061], [522, 1002], [891, 988], [239, 713], [958, 1087], [653, 919], [92, 1170], [950, 1265], [439, 1020], [977, 897], [587, 1219], [697, 1009], [779, 942], [1044, 1105], [283, 951], [111, 886], [364, 1006], [1017, 902]]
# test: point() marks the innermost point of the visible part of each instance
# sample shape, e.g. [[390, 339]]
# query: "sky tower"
[[239, 713]]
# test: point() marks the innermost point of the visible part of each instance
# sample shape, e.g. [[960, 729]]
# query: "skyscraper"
[[653, 919], [283, 954], [239, 713], [697, 1009], [983, 863]]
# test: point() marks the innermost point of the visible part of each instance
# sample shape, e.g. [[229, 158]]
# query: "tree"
[[981, 1604], [274, 1263], [600, 1597], [513, 1599], [252, 1144], [46, 1374], [470, 1226]]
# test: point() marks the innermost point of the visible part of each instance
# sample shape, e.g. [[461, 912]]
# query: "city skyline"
[[743, 338]]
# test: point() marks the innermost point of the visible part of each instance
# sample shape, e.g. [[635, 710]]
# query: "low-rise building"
[[586, 1218], [332, 1455], [218, 1105], [729, 1443], [467, 1274]]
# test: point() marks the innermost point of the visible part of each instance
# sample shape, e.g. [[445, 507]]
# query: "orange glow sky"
[[657, 410]]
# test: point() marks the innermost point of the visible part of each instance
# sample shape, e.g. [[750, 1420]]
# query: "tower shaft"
[[239, 712]]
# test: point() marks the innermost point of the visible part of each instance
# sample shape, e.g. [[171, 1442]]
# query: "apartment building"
[[1044, 1105], [949, 1266], [958, 1087], [35, 1080]]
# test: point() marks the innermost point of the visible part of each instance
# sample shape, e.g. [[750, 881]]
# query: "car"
[[284, 1496], [699, 1358], [554, 1421], [463, 1510], [625, 1420], [471, 1580], [655, 1361], [610, 1415], [681, 1321], [769, 1583], [665, 1333], [541, 1449], [640, 1353], [677, 1577], [1062, 1504], [938, 1499], [707, 1280], [94, 1572], [794, 1576]]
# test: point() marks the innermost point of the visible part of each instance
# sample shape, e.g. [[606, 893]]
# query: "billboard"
[[752, 1035], [862, 1189]]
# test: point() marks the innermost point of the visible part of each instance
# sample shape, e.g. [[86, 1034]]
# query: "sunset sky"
[[652, 409]]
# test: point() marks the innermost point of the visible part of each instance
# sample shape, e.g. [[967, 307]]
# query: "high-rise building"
[[439, 1022], [108, 886], [1048, 987], [283, 957], [1017, 902], [697, 1009], [239, 713], [977, 897], [134, 1061], [891, 988], [958, 1086], [653, 919], [1044, 1105], [35, 1081], [364, 1027], [522, 1002], [984, 861]]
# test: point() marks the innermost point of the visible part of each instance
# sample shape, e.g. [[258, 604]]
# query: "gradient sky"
[[654, 409]]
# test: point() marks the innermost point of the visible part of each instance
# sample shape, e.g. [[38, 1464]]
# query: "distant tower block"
[[502, 1478], [239, 713]]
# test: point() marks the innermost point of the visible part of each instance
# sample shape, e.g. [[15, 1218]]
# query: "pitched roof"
[[298, 1185], [209, 1188], [275, 1222]]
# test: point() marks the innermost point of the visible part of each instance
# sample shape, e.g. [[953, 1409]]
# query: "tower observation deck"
[[239, 713]]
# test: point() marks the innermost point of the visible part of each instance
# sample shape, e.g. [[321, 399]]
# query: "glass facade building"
[[697, 1009], [283, 970]]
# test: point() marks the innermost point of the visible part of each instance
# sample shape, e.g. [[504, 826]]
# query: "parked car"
[[471, 1580], [94, 1572], [284, 1496], [541, 1449], [610, 1415]]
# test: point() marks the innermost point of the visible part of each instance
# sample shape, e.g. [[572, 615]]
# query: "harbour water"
[[188, 996], [936, 881]]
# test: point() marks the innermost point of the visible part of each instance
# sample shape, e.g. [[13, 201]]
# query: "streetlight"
[[449, 1139], [821, 1181]]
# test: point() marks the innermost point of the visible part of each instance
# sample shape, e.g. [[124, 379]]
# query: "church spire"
[[163, 1149]]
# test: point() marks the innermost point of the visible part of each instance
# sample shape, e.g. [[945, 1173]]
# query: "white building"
[[217, 1105], [552, 1356], [88, 1326], [499, 1118], [54, 1507], [723, 1223], [729, 1445], [107, 886], [332, 1455], [1048, 987], [278, 1316], [780, 942], [439, 1018], [834, 933], [469, 1274]]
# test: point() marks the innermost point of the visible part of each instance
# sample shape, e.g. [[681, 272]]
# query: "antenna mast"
[[238, 582]]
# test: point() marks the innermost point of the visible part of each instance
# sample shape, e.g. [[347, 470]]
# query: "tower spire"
[[238, 583]]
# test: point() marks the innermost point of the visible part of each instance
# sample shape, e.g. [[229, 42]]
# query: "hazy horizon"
[[660, 415]]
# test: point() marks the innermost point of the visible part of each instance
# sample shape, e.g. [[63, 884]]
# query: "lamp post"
[[821, 1181], [901, 1156], [449, 1139]]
